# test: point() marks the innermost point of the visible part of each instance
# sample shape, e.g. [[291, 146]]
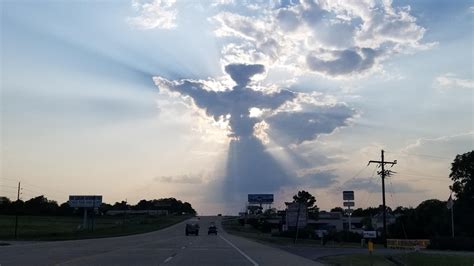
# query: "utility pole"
[[16, 213], [384, 173]]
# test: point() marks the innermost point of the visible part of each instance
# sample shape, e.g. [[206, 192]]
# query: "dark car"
[[212, 230], [192, 227]]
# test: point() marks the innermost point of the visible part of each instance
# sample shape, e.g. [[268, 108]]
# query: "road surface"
[[169, 246]]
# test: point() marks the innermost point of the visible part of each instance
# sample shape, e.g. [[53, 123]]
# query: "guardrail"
[[408, 243]]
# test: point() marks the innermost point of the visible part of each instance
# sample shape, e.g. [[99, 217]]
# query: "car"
[[192, 227], [219, 214], [212, 230]]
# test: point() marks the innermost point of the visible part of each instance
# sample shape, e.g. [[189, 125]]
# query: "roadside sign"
[[348, 204], [260, 198], [85, 201], [370, 234], [292, 215], [348, 195]]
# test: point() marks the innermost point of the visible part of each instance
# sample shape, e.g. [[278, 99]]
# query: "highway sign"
[[348, 204], [260, 198], [85, 201], [292, 215], [370, 234], [348, 195]]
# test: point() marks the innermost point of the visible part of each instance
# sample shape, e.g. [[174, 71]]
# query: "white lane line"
[[240, 251], [168, 259]]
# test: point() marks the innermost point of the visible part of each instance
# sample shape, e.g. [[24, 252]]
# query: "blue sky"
[[128, 98]]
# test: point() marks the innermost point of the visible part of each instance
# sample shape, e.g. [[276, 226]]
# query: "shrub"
[[448, 243]]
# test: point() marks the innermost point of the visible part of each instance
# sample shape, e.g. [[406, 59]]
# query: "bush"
[[344, 236], [448, 243]]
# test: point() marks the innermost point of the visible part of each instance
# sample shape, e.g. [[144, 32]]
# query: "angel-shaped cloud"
[[290, 118]]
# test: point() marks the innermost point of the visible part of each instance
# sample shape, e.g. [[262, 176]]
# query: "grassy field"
[[400, 259], [233, 227], [61, 228]]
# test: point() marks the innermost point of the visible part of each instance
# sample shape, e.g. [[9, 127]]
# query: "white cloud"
[[158, 14], [183, 179], [333, 38], [451, 81]]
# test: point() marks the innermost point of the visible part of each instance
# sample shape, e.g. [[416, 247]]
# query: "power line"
[[429, 176], [420, 155], [369, 191], [352, 178], [396, 203]]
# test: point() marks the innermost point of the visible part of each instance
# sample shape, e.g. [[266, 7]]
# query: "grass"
[[434, 259], [356, 260], [408, 259], [63, 228], [233, 227]]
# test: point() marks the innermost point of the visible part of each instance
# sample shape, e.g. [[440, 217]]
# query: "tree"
[[337, 209], [306, 198], [462, 173]]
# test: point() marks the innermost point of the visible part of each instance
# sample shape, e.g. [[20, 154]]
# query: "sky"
[[208, 101]]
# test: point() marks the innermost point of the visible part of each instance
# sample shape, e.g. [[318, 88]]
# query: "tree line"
[[43, 206], [432, 217]]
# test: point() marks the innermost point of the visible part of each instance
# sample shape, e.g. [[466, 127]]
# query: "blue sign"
[[260, 198], [85, 201]]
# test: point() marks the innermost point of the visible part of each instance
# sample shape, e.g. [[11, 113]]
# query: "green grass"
[[408, 259], [434, 259], [61, 228], [233, 227], [356, 260]]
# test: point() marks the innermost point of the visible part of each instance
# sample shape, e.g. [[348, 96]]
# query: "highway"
[[169, 246]]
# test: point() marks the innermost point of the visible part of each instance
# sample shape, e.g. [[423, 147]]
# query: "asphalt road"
[[169, 246]]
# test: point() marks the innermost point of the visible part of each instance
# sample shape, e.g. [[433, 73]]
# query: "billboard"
[[260, 198], [85, 201], [348, 195]]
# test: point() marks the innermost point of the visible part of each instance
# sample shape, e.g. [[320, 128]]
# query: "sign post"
[[86, 202], [348, 198]]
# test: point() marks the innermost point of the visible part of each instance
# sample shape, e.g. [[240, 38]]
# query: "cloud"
[[296, 127], [369, 184], [451, 81], [231, 105], [442, 146], [333, 38], [158, 14], [318, 179], [254, 112], [183, 179], [344, 62]]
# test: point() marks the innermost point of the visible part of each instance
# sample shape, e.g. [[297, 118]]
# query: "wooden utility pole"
[[16, 211], [384, 173]]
